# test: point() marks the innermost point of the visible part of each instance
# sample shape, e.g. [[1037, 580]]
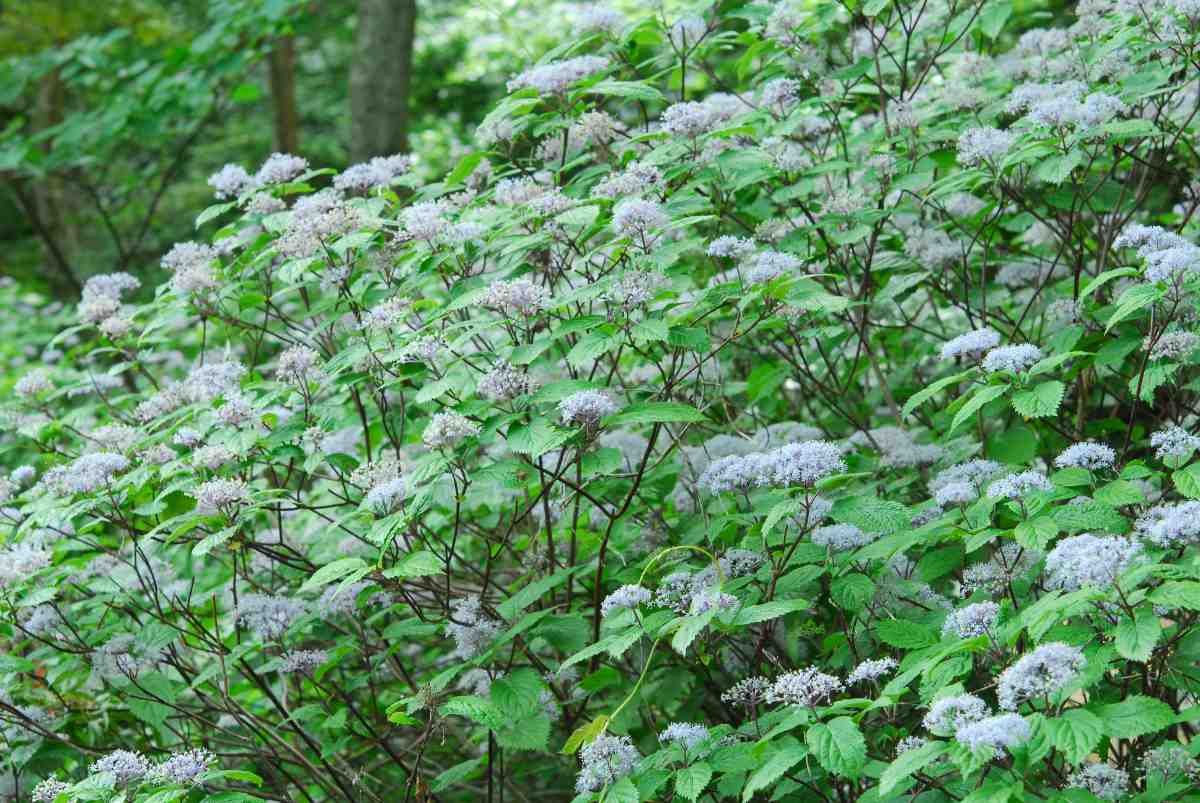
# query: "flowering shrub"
[[790, 402]]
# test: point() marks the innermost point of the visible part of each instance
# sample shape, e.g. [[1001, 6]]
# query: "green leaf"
[[852, 591], [691, 627], [838, 746], [623, 791], [421, 563], [517, 693], [1041, 401], [1037, 533], [908, 763], [788, 755], [872, 515], [536, 438], [1133, 299], [584, 734], [213, 211], [464, 168], [1075, 733], [476, 709], [528, 733], [1187, 481], [1178, 594], [977, 400], [654, 413], [332, 572], [993, 17], [905, 634], [691, 781], [769, 610], [1089, 514], [633, 90], [927, 393], [1135, 716], [1135, 639]]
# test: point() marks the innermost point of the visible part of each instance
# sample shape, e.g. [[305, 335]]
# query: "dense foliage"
[[789, 402]]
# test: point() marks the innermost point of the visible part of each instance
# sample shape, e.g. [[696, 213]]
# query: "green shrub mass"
[[787, 402]]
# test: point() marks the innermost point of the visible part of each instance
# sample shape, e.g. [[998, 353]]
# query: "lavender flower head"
[[48, 790], [806, 687], [606, 759], [586, 408], [1089, 455], [747, 691], [280, 167], [871, 670], [504, 383], [627, 596], [1045, 671], [268, 616], [230, 181], [1018, 486], [972, 344], [1087, 560], [472, 630], [842, 537], [302, 661], [448, 429], [1011, 358], [185, 768], [1102, 780], [1000, 731], [518, 297], [973, 620], [950, 713], [1173, 441], [556, 76], [124, 765], [636, 217], [1171, 526], [686, 734]]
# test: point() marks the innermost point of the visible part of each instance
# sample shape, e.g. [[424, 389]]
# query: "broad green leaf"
[[908, 763], [974, 403], [654, 413], [1043, 400], [839, 746], [1135, 716], [691, 781], [1135, 639], [927, 393], [332, 572], [783, 759], [1075, 733]]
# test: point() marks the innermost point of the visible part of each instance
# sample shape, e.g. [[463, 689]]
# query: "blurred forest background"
[[113, 113]]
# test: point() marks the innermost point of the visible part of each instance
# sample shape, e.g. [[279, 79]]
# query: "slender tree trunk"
[[48, 205], [283, 93], [380, 76]]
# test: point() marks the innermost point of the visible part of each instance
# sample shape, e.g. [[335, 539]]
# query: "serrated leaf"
[[654, 413], [476, 709], [973, 404], [1178, 594], [1187, 481], [584, 734], [779, 762], [904, 634], [691, 627], [634, 90], [872, 515], [839, 746], [1133, 299], [1075, 733], [852, 591], [691, 781], [769, 610], [927, 393], [908, 763], [1135, 716], [1041, 401], [332, 572], [1135, 639]]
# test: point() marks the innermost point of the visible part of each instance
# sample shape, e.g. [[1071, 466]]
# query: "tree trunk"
[[49, 206], [380, 76], [283, 94]]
